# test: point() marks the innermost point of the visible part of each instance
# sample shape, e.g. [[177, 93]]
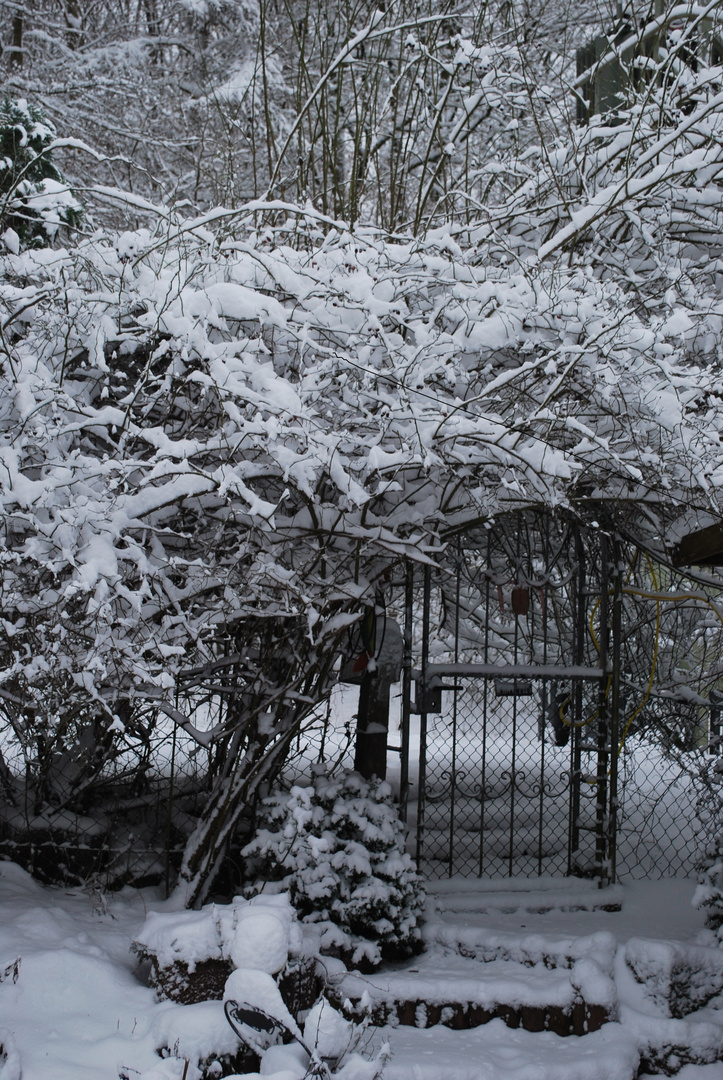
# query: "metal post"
[[421, 793], [485, 686], [406, 689], [576, 704], [544, 689], [615, 705], [602, 822], [453, 776]]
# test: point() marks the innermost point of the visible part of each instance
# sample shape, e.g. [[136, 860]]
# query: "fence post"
[[421, 789], [715, 735], [604, 748], [617, 624], [406, 688]]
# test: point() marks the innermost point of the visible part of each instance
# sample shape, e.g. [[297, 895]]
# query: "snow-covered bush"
[[35, 201], [708, 895], [339, 845]]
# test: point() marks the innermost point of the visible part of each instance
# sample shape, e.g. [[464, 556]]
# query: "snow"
[[291, 1058], [77, 1008], [257, 933], [258, 989], [196, 1032], [327, 1031], [495, 1052], [261, 940]]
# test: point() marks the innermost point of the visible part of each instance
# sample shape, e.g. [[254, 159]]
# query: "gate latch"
[[428, 697]]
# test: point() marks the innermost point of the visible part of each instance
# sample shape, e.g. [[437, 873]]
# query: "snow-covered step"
[[552, 950], [533, 895], [448, 989], [494, 1052]]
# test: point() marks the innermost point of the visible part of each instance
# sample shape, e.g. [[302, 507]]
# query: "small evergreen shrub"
[[339, 847], [708, 895], [35, 201]]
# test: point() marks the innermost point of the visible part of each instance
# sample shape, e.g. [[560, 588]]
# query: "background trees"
[[402, 113]]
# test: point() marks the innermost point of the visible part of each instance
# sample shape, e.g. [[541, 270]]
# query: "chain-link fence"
[[115, 809], [502, 798], [499, 796], [513, 766], [119, 809]]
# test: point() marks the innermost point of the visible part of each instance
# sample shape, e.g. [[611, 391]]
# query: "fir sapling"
[[35, 200], [338, 844]]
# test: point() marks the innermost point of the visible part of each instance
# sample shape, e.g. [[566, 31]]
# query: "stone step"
[[461, 994], [554, 951]]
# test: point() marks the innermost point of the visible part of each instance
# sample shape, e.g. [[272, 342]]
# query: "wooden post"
[[374, 663], [372, 729]]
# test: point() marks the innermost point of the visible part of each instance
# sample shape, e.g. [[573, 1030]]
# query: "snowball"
[[291, 1059], [328, 1031], [260, 940]]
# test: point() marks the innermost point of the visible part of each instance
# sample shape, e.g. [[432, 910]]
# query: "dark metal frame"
[[565, 572]]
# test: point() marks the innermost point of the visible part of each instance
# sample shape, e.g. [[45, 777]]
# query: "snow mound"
[[327, 1031], [188, 936], [258, 933], [291, 1059], [195, 1032]]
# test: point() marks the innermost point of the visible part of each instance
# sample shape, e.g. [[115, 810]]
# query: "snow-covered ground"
[[72, 1008]]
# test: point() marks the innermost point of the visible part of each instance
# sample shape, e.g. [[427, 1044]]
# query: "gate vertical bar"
[[573, 842], [485, 687], [602, 820], [424, 695], [406, 688], [453, 776], [513, 764], [615, 704], [542, 721]]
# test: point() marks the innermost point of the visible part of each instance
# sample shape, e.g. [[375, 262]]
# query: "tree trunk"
[[15, 52], [74, 22], [207, 844]]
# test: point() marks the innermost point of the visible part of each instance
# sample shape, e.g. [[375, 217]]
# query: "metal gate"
[[513, 711]]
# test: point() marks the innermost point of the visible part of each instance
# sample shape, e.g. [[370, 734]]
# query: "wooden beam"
[[701, 548]]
